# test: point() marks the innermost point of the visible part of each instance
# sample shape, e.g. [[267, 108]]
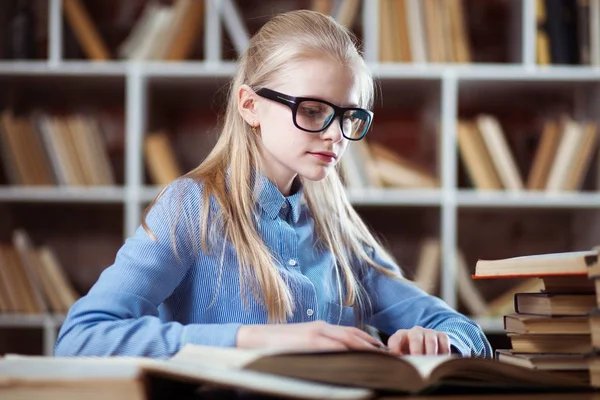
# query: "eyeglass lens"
[[314, 116]]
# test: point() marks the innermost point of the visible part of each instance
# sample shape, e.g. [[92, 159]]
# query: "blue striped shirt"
[[153, 300]]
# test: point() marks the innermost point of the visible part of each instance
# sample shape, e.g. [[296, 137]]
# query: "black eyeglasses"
[[314, 115]]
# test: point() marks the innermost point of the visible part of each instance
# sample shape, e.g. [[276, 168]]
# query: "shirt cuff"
[[218, 335], [457, 346]]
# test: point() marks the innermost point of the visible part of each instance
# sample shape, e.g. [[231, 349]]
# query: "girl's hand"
[[317, 335], [419, 340]]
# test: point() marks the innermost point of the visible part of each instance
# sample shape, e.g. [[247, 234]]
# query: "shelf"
[[484, 71], [30, 321], [395, 197], [188, 69], [473, 198], [43, 68], [82, 194], [365, 197], [227, 69]]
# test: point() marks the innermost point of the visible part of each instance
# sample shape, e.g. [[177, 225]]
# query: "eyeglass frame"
[[293, 102]]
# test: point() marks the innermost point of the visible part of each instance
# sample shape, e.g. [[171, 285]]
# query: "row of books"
[[368, 163], [365, 164], [568, 32], [32, 280], [164, 31], [563, 157], [168, 32], [43, 149], [551, 328], [423, 31], [427, 273]]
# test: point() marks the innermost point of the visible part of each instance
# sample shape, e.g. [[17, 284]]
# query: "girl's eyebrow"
[[350, 105]]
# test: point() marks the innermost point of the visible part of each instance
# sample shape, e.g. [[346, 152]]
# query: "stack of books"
[[550, 329], [594, 322]]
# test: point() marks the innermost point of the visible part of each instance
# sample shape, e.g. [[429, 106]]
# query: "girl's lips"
[[326, 157]]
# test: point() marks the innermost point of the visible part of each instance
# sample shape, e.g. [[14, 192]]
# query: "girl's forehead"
[[320, 77]]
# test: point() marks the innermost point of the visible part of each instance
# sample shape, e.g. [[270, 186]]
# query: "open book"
[[379, 370], [283, 373], [133, 378]]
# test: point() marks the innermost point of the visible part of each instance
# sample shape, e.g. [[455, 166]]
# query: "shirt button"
[[284, 205], [292, 262], [310, 312]]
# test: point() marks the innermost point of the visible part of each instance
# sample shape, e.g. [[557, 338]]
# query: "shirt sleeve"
[[397, 303], [119, 315]]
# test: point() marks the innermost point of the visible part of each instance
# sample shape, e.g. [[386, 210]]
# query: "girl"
[[259, 246]]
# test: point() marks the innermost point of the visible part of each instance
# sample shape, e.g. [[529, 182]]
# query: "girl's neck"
[[286, 186]]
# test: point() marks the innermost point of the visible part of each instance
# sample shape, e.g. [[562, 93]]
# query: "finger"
[[405, 343], [431, 342], [395, 341], [325, 343], [352, 331], [415, 340], [348, 337], [443, 343], [364, 335]]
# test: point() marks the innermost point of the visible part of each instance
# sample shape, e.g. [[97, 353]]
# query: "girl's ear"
[[247, 105]]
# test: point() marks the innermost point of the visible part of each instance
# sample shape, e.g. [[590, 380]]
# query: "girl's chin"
[[315, 174]]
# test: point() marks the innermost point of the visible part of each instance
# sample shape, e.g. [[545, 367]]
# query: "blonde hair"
[[286, 38]]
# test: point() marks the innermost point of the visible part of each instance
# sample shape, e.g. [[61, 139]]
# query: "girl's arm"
[[400, 304], [119, 315]]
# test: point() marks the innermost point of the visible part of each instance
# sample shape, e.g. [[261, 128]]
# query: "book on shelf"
[[568, 32], [32, 281], [85, 30], [560, 161], [370, 164], [49, 150], [476, 157], [428, 270], [161, 161], [499, 150], [423, 31]]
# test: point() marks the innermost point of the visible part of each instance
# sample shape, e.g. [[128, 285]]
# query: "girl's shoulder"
[[184, 190]]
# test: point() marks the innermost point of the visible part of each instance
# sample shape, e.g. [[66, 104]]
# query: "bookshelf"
[[441, 90]]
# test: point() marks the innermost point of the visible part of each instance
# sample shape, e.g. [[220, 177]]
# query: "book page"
[[426, 364], [18, 370], [565, 255], [222, 357], [255, 381], [38, 368]]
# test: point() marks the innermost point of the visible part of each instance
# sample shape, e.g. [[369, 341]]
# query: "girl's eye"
[[311, 111]]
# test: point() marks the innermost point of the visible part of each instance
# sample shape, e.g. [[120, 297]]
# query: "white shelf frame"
[[134, 195]]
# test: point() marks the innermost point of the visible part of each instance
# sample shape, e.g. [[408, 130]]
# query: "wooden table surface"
[[528, 396]]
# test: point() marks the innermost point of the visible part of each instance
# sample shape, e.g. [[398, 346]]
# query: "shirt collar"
[[270, 199]]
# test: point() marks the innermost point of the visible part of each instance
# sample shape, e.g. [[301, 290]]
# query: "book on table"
[[294, 374], [550, 328], [576, 263]]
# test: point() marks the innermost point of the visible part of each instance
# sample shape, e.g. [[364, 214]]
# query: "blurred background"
[[484, 143]]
